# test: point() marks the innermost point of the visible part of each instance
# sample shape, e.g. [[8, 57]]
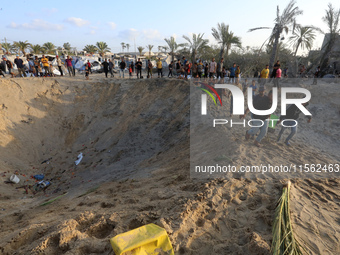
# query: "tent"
[[95, 64]]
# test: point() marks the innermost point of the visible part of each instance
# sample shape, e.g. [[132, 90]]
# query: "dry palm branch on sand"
[[284, 242]]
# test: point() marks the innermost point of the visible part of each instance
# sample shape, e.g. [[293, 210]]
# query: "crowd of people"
[[182, 68], [37, 67]]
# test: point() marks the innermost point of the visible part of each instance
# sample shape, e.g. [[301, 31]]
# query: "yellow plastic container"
[[146, 240]]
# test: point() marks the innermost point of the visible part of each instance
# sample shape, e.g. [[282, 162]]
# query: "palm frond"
[[187, 38], [284, 241], [257, 28]]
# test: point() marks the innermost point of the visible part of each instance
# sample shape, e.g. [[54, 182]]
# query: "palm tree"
[[50, 47], [302, 36], [35, 48], [197, 44], [90, 48], [140, 49], [332, 20], [165, 48], [282, 23], [7, 47], [149, 47], [123, 46], [128, 47], [225, 38], [173, 46], [67, 47], [22, 46], [102, 48]]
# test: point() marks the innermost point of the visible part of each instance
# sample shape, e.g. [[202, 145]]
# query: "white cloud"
[[37, 24], [77, 21], [112, 25], [128, 34], [151, 34]]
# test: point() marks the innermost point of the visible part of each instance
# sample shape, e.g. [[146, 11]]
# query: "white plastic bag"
[[80, 157]]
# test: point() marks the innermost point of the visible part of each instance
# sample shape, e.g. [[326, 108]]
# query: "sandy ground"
[[135, 137]]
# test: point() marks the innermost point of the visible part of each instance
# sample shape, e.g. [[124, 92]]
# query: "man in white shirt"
[[212, 68]]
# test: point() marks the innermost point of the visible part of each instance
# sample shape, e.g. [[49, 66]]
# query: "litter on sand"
[[79, 158], [148, 239]]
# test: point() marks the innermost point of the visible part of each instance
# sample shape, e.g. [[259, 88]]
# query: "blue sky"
[[144, 22]]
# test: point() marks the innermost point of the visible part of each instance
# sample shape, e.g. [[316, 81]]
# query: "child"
[[87, 72], [254, 87], [130, 71], [40, 71], [51, 69], [10, 67]]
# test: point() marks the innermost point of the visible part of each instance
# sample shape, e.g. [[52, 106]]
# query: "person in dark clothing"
[[206, 69], [20, 65], [219, 69], [275, 67], [132, 66], [105, 65], [139, 68], [3, 67], [111, 66], [316, 75], [184, 61], [122, 66], [260, 102], [149, 69], [171, 65], [292, 114]]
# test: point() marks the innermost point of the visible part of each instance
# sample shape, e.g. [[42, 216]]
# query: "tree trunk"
[[227, 52], [273, 56], [221, 53], [297, 47], [193, 59]]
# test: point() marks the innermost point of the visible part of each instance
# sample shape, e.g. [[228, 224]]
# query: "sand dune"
[[135, 137]]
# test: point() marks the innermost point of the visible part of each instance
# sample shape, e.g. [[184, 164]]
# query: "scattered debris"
[[14, 178], [52, 200], [39, 177], [79, 158], [46, 161]]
